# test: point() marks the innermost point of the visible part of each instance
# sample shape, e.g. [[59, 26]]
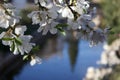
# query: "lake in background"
[[62, 66]]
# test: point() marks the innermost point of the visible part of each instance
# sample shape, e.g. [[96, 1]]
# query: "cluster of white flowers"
[[18, 42], [77, 14], [79, 18], [45, 17], [13, 35], [7, 16]]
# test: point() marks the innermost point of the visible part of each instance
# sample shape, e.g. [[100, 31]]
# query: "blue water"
[[59, 68], [19, 4]]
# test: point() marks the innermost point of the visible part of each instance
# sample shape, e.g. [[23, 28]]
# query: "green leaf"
[[60, 28], [35, 49], [18, 41], [63, 33], [7, 39], [25, 57], [61, 25], [13, 47], [84, 11], [111, 32]]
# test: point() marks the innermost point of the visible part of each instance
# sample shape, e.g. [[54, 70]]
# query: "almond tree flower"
[[8, 40], [52, 14], [35, 15], [13, 17], [42, 2], [84, 19], [85, 22], [73, 24], [52, 10], [82, 22], [35, 60], [8, 36], [60, 1], [96, 37], [26, 46], [49, 27], [66, 13], [19, 30], [39, 17], [36, 1], [19, 43], [4, 19], [45, 17], [11, 11], [2, 35], [8, 6], [82, 4], [13, 21], [7, 17], [78, 9], [45, 20]]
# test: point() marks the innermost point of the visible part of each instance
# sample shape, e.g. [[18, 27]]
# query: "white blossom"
[[26, 45], [10, 36], [19, 30], [52, 13], [73, 24], [42, 2], [35, 60], [18, 44], [7, 17], [35, 17], [4, 19], [32, 62], [2, 35], [83, 4], [60, 1], [50, 27], [96, 37], [9, 6], [66, 13]]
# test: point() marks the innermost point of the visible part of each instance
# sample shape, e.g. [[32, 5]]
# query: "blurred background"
[[67, 58]]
